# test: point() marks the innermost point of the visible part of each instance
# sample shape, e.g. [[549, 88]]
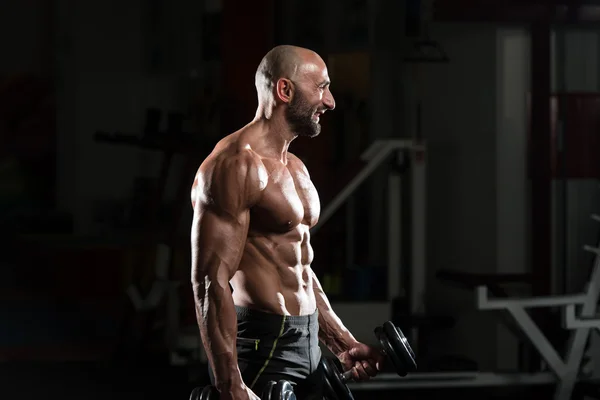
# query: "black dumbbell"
[[206, 393], [335, 387], [281, 390], [394, 345], [396, 348]]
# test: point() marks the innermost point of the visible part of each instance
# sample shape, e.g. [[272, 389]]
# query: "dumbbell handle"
[[347, 376]]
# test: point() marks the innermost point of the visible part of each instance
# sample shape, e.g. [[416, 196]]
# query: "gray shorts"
[[274, 347]]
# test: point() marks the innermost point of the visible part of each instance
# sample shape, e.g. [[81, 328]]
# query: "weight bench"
[[564, 373]]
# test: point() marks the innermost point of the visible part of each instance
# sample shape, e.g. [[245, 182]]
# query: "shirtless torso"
[[281, 205], [254, 204]]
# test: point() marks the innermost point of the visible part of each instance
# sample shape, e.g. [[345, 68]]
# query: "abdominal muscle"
[[274, 274]]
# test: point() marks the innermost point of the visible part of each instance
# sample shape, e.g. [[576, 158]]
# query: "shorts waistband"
[[251, 315]]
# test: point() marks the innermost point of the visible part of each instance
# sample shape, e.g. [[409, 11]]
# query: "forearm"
[[332, 332], [217, 321]]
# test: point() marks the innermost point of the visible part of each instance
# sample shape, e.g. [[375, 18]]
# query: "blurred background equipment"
[[457, 176]]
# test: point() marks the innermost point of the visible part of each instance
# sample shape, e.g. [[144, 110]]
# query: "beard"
[[299, 115]]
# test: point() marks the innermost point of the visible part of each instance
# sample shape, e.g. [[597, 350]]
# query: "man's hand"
[[365, 361]]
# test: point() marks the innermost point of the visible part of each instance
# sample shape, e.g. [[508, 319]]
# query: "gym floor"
[[89, 381]]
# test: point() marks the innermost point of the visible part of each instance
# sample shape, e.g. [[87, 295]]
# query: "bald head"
[[282, 61], [293, 84]]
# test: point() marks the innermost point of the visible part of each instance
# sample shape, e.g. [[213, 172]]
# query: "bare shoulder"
[[231, 174], [295, 162]]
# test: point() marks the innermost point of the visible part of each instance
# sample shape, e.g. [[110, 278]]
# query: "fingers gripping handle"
[[347, 376]]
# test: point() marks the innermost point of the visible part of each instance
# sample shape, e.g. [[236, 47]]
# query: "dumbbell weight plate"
[[268, 391], [328, 379], [335, 388], [390, 354], [195, 395], [283, 390], [397, 349], [206, 393]]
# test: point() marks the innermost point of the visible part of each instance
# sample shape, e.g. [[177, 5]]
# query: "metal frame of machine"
[[564, 373]]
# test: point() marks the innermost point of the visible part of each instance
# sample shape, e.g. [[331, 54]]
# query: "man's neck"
[[275, 135]]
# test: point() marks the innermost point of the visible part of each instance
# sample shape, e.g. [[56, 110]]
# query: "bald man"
[[254, 204]]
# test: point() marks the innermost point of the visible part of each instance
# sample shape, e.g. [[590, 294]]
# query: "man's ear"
[[284, 90]]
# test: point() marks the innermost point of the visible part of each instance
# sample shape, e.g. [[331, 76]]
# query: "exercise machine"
[[579, 315]]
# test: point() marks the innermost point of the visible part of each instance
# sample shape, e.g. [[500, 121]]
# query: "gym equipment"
[[335, 387], [376, 155], [141, 314], [281, 390], [207, 393], [564, 373], [394, 346]]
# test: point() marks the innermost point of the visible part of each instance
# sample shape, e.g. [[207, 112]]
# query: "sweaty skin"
[[269, 208], [254, 204]]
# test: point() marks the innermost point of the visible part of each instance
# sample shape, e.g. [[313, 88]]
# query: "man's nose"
[[329, 101]]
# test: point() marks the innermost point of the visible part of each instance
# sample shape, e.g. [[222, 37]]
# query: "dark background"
[[108, 107]]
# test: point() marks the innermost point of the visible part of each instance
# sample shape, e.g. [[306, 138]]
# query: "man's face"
[[303, 116], [311, 99]]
